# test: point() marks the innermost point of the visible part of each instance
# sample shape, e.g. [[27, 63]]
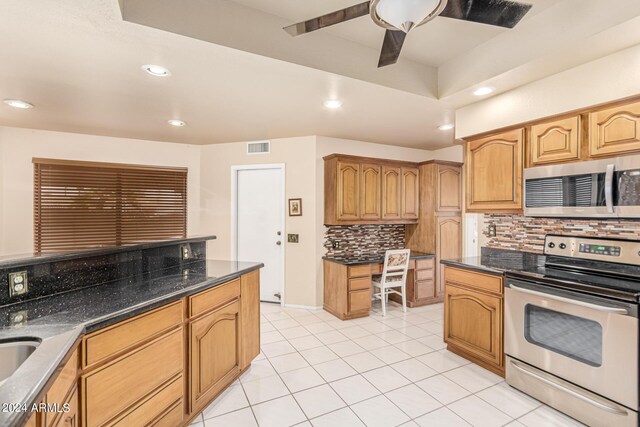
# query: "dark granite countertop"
[[498, 261], [8, 261], [59, 321], [367, 259]]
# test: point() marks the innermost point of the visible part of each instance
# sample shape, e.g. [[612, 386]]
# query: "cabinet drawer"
[[424, 274], [172, 418], [113, 389], [359, 284], [60, 388], [110, 341], [360, 300], [424, 264], [472, 279], [377, 268], [360, 270], [155, 405], [214, 298]]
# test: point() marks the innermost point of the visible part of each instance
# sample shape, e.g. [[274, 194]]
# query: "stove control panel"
[[620, 251], [600, 249]]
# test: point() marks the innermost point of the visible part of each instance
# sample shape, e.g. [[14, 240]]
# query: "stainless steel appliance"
[[601, 188], [571, 329]]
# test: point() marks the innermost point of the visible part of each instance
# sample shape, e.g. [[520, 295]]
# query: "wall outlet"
[[18, 317], [18, 283], [185, 252], [293, 238], [335, 244], [492, 230]]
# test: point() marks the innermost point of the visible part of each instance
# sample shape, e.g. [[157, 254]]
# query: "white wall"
[[19, 146], [209, 187], [606, 79]]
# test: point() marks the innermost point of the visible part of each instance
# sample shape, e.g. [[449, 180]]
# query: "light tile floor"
[[316, 370]]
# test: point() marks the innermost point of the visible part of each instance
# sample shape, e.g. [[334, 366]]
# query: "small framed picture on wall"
[[295, 207]]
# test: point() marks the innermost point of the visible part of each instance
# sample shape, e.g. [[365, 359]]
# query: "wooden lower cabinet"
[[473, 317], [214, 354], [71, 418], [347, 290]]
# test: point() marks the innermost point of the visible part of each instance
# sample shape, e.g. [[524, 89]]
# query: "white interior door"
[[259, 222]]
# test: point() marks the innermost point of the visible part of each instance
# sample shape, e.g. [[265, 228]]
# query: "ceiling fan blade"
[[329, 19], [393, 41], [502, 13]]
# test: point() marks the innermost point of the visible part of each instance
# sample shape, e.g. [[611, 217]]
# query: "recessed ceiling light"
[[176, 122], [156, 70], [333, 103], [16, 103], [447, 126], [484, 90]]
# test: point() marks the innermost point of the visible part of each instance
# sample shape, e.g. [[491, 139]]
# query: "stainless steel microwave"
[[608, 188]]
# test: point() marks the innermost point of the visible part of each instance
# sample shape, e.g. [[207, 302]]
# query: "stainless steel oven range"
[[571, 329]]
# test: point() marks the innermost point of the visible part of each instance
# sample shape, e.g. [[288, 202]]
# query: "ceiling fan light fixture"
[[404, 15]]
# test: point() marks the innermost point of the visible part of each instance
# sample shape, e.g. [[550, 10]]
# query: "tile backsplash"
[[522, 233], [362, 240]]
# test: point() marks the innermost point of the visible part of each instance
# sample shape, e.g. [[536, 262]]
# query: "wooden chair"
[[394, 275]]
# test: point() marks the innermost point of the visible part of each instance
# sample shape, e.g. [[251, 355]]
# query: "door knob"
[[278, 243]]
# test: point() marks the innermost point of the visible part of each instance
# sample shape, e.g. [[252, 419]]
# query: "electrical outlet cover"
[[18, 283]]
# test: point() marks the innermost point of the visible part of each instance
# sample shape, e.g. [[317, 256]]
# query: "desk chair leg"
[[404, 298], [383, 301]]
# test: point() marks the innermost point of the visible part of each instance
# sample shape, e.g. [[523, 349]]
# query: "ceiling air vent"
[[260, 147]]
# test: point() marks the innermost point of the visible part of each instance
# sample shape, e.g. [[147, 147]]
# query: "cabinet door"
[[214, 358], [348, 191], [553, 142], [449, 188], [448, 246], [70, 418], [473, 323], [494, 173], [615, 131], [370, 184], [391, 193], [410, 191]]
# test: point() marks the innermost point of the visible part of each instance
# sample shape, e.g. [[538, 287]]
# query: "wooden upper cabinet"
[[370, 192], [614, 131], [494, 172], [449, 188], [363, 190], [391, 193], [554, 142], [410, 193], [348, 191]]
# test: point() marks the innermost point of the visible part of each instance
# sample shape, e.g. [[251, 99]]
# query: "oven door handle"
[[598, 307], [608, 187], [610, 409]]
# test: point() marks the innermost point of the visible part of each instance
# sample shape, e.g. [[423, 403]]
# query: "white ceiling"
[[237, 76]]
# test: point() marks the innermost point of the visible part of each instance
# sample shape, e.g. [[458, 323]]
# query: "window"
[[84, 205]]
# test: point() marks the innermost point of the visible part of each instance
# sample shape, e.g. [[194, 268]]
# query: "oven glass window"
[[571, 336]]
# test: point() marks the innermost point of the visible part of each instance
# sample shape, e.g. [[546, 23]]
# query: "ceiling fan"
[[399, 17]]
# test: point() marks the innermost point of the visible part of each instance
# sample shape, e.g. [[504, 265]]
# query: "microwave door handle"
[[573, 393], [608, 187], [571, 301]]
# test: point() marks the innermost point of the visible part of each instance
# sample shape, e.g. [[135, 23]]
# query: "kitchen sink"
[[13, 354]]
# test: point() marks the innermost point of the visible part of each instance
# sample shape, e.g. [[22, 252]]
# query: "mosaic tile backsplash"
[[362, 240], [527, 234]]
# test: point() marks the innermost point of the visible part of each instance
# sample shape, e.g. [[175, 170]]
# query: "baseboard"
[[303, 307]]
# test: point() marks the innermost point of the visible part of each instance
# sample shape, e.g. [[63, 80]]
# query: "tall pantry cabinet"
[[439, 227]]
